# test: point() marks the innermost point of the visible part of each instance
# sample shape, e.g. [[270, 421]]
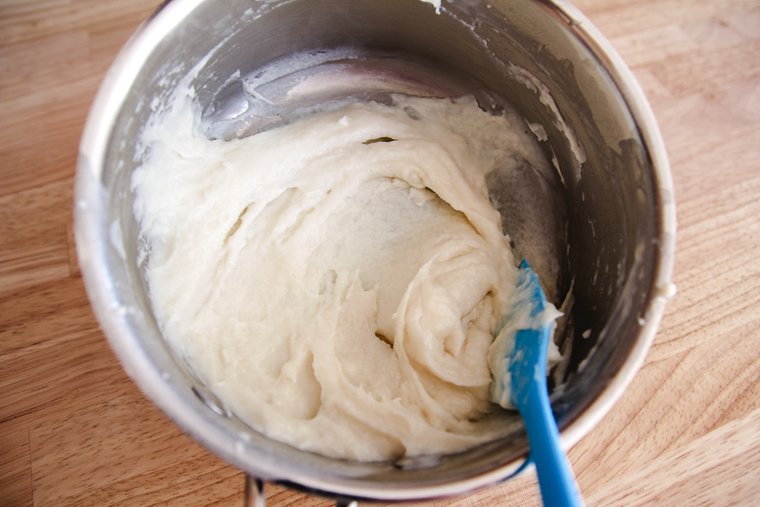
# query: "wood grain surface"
[[74, 430]]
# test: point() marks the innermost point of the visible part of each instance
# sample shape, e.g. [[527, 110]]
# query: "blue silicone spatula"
[[527, 369]]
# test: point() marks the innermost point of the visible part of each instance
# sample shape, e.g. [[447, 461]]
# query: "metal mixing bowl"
[[610, 202]]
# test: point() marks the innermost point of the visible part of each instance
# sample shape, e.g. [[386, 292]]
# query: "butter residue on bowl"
[[337, 281]]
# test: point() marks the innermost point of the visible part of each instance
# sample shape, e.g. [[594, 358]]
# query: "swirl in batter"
[[338, 281]]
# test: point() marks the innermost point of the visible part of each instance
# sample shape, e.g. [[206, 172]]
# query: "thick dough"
[[338, 281]]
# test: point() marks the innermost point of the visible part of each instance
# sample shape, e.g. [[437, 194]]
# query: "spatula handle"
[[555, 477]]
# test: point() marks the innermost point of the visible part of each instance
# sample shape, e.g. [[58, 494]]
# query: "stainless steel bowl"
[[611, 202]]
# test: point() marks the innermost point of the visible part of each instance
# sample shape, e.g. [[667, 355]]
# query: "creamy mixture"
[[338, 281]]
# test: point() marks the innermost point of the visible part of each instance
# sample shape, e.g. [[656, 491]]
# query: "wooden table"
[[74, 430]]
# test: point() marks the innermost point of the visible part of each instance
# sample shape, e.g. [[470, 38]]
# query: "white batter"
[[337, 281]]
